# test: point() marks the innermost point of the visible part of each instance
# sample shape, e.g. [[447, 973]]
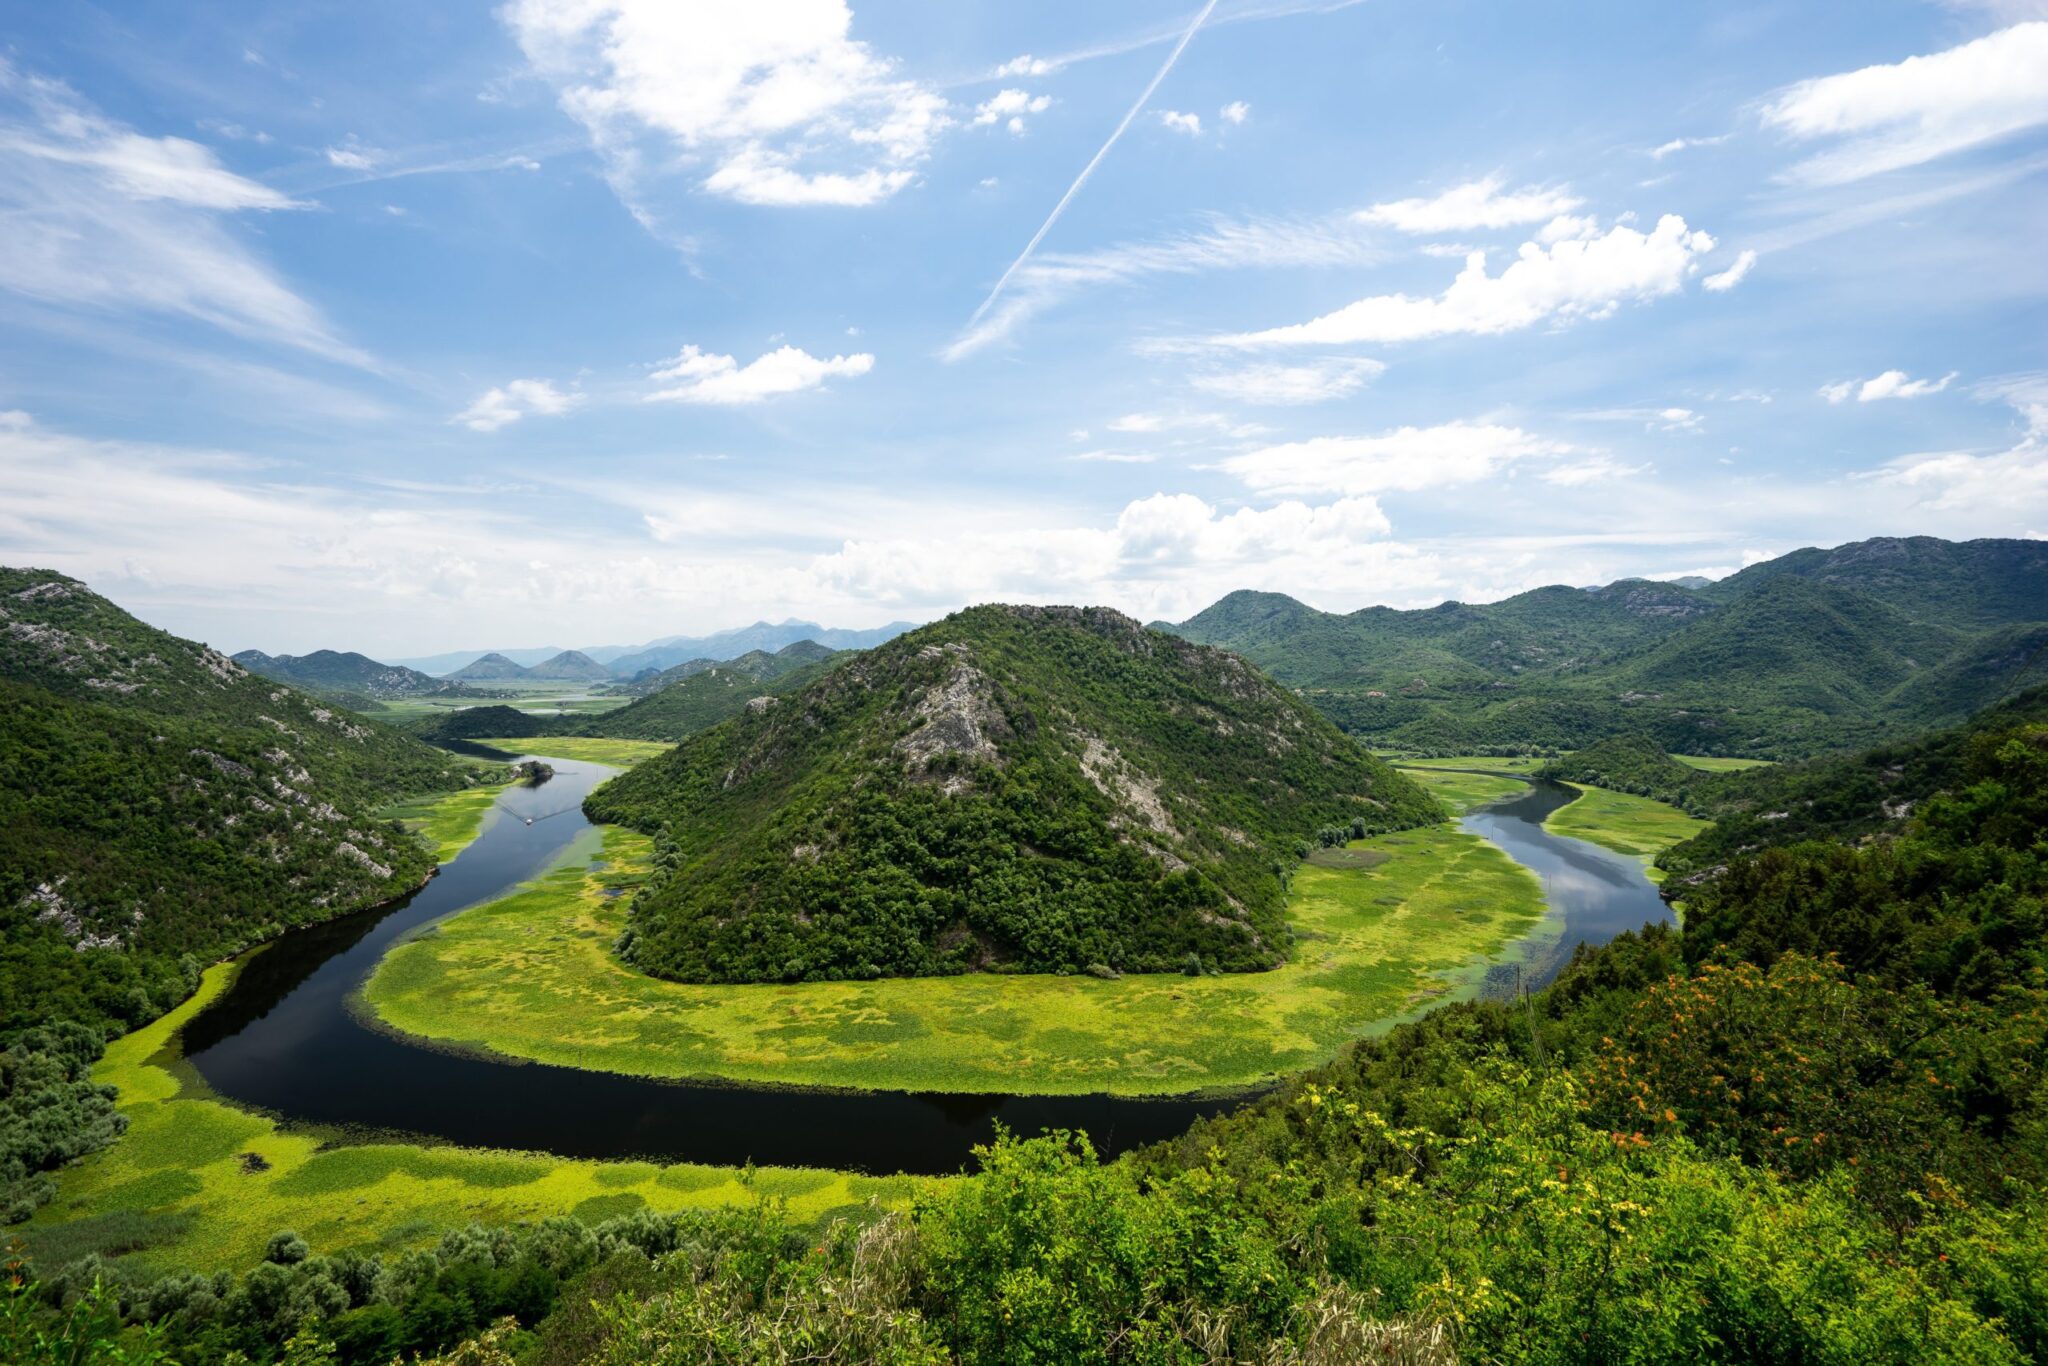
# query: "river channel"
[[283, 1038]]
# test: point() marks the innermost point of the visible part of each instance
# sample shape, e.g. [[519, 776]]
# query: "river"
[[283, 1037]]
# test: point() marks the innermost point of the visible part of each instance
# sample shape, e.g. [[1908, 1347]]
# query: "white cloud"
[[1191, 124], [1475, 204], [353, 156], [1225, 244], [1722, 281], [101, 217], [777, 98], [502, 406], [1566, 227], [2005, 487], [1566, 281], [1890, 384], [1026, 65], [1404, 460], [1653, 419], [1658, 153], [1236, 112], [1113, 457], [704, 377], [1908, 112], [1010, 108], [1600, 469], [1315, 381]]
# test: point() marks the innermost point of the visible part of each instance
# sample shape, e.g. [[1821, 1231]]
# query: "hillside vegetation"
[[160, 808], [1043, 789], [692, 699], [1818, 650]]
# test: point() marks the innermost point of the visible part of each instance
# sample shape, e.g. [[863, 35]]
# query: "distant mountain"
[[630, 661], [762, 635], [570, 666], [162, 803], [755, 664], [1956, 583], [490, 666], [332, 671], [1815, 650], [1042, 788], [441, 665], [703, 697]]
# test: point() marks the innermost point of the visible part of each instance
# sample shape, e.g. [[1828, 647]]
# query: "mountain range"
[[345, 674], [628, 661], [1814, 650]]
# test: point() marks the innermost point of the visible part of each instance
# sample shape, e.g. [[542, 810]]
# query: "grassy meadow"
[[617, 753], [1463, 791], [532, 976], [1636, 826], [1707, 763], [1520, 763], [199, 1184], [451, 821]]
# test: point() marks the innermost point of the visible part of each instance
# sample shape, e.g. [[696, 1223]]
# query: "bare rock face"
[[959, 716]]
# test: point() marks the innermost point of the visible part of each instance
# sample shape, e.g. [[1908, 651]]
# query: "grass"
[[532, 976], [175, 1193], [617, 753], [1490, 763], [1707, 763], [449, 821], [543, 698], [1463, 791], [1635, 826]]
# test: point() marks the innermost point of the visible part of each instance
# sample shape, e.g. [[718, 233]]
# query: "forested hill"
[[161, 807], [693, 699], [1813, 651], [1037, 788]]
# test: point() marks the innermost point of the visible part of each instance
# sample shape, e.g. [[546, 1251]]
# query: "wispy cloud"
[[1224, 244], [1483, 203], [501, 406], [1138, 104], [100, 216], [1883, 118]]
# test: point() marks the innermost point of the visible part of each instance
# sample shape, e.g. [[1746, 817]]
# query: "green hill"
[[570, 666], [706, 697], [1838, 797], [1814, 651], [161, 807], [488, 667], [1967, 584], [1013, 787]]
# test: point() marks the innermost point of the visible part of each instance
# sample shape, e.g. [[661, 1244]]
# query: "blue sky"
[[405, 328]]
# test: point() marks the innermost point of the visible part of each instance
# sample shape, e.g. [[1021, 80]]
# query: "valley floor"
[[532, 976], [199, 1184], [1388, 927]]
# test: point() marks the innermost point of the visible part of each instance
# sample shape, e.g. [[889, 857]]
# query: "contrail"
[[1096, 160]]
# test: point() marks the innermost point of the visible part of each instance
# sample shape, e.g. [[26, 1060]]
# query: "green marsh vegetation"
[[533, 976], [1625, 823], [613, 753], [1461, 791]]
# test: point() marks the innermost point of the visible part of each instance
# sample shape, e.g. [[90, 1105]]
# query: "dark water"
[[1594, 894], [283, 1039]]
